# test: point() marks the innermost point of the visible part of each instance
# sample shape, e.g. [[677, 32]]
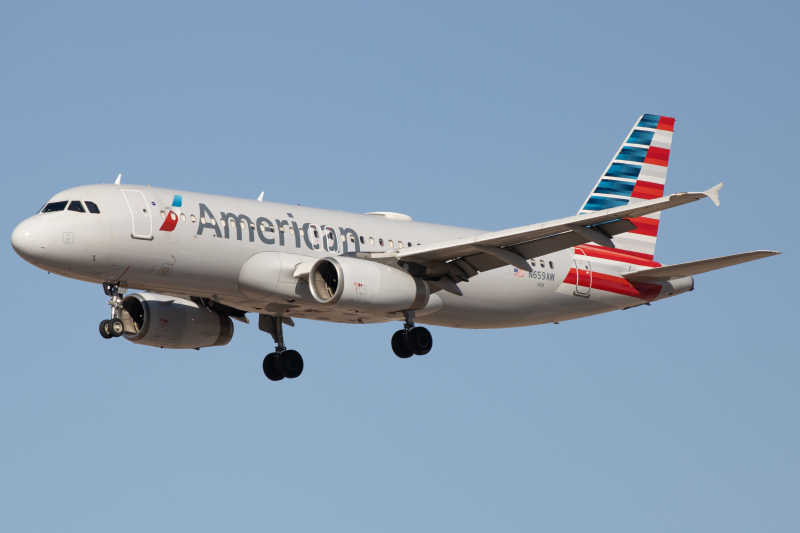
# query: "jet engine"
[[352, 283], [171, 322]]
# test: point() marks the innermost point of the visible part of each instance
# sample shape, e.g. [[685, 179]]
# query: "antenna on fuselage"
[[260, 196], [116, 182]]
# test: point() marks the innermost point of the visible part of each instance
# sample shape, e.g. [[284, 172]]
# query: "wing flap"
[[465, 246], [683, 270]]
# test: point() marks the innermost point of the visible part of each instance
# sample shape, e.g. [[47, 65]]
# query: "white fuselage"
[[205, 255]]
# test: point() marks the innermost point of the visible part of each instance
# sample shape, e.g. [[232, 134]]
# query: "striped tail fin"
[[637, 172]]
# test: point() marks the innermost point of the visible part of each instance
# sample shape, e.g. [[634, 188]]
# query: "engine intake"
[[353, 283], [169, 322]]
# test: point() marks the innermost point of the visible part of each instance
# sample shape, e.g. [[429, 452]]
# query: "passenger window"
[[92, 207], [76, 206], [371, 240], [391, 244], [361, 239], [399, 244], [52, 207], [409, 245], [202, 220], [302, 232], [221, 222], [316, 234], [551, 265], [163, 214], [352, 239], [342, 237], [541, 262], [380, 241], [283, 229], [183, 217], [193, 219]]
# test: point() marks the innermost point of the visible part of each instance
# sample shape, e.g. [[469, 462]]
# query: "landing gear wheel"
[[105, 331], [271, 369], [400, 346], [290, 363], [116, 327], [420, 341]]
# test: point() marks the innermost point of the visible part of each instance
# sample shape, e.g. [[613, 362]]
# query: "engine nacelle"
[[170, 322], [353, 283]]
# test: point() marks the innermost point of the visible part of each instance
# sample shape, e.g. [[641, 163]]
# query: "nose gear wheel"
[[113, 327]]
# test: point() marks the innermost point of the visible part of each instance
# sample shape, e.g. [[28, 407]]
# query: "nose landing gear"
[[411, 340], [114, 327], [281, 363]]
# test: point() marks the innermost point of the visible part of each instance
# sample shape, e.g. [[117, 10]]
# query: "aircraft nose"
[[29, 239]]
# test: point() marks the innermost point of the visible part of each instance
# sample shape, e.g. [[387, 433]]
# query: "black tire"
[[105, 332], [271, 369], [420, 341], [116, 327], [400, 346], [290, 363]]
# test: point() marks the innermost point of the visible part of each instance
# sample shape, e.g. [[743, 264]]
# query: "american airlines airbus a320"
[[204, 260]]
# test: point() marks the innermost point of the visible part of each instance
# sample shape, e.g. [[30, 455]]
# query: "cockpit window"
[[92, 207], [75, 205], [54, 206]]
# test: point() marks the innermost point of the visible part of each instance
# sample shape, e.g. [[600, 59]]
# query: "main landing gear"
[[113, 327], [281, 363], [411, 340]]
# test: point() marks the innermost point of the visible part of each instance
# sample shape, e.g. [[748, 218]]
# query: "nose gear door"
[[140, 214], [583, 280]]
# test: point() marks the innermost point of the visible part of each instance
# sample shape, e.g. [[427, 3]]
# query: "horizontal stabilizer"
[[683, 270]]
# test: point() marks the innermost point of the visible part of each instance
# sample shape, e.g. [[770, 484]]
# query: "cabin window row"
[[541, 264]]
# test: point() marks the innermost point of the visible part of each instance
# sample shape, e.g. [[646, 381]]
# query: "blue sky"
[[679, 416]]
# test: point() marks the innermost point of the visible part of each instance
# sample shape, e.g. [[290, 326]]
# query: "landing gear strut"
[[113, 327], [281, 363], [411, 340]]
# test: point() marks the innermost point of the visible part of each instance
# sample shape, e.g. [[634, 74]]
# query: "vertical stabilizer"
[[637, 172]]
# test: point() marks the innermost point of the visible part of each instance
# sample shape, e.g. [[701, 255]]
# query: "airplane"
[[202, 261]]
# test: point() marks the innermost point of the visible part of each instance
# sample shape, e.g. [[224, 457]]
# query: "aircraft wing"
[[683, 270], [465, 257]]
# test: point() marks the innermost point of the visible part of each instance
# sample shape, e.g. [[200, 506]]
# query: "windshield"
[[54, 206]]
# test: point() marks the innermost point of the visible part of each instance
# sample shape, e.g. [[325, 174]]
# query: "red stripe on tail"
[[615, 284], [666, 124], [647, 190], [623, 256], [645, 226], [657, 156]]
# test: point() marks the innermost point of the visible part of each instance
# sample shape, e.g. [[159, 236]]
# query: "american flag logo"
[[519, 273]]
